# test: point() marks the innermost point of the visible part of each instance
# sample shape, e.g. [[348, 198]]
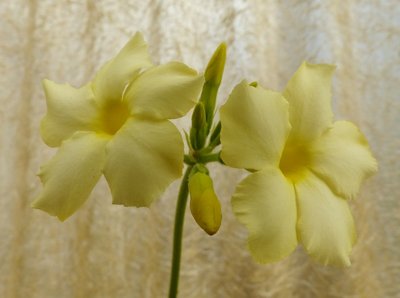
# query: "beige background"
[[111, 251]]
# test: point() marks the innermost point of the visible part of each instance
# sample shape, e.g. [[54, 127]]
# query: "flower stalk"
[[203, 197], [178, 230]]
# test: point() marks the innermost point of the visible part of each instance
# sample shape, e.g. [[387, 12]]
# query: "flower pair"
[[305, 167], [116, 125]]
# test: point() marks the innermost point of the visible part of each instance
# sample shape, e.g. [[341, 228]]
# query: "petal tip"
[[318, 66], [268, 259], [37, 204], [137, 40]]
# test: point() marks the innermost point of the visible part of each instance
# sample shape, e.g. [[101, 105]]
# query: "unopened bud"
[[198, 116], [198, 134], [213, 78], [215, 67], [204, 204]]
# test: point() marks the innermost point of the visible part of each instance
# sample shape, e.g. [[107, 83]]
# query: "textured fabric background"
[[112, 251]]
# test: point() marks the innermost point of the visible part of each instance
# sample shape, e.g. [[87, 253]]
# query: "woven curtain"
[[106, 250]]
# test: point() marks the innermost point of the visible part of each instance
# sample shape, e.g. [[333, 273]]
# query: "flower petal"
[[113, 77], [144, 157], [309, 95], [255, 125], [68, 110], [265, 203], [165, 92], [325, 223], [69, 177], [341, 157]]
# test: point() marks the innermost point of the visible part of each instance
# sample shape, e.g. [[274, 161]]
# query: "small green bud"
[[213, 77], [215, 67], [193, 138], [199, 116], [253, 84], [204, 204], [198, 133]]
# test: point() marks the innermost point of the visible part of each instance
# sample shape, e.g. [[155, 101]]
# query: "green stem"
[[179, 219], [209, 158], [189, 160]]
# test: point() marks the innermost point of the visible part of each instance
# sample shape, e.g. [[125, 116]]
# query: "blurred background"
[[111, 251]]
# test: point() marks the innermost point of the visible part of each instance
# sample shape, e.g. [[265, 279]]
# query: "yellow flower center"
[[114, 116], [293, 162]]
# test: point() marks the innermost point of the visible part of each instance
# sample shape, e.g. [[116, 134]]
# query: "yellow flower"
[[306, 167], [116, 125], [204, 204]]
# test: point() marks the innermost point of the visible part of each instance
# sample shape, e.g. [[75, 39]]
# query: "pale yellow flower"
[[116, 125], [305, 167]]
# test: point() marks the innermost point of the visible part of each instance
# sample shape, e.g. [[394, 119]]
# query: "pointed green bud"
[[204, 204], [253, 84], [198, 134], [199, 116], [213, 77], [193, 138], [215, 67]]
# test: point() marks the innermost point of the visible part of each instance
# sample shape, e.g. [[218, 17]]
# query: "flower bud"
[[204, 203], [213, 76], [215, 67], [198, 133]]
